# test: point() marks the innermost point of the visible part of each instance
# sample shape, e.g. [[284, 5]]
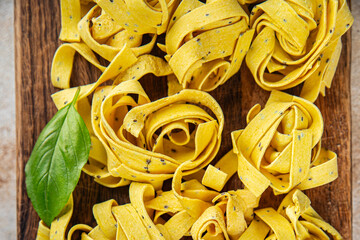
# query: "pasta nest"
[[147, 141], [294, 219], [297, 42], [281, 147], [206, 42]]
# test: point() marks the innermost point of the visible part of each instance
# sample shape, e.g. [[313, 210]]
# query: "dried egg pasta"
[[226, 215], [229, 215], [142, 143], [105, 37], [100, 34], [294, 219], [139, 16], [155, 138], [281, 147], [70, 16], [297, 41], [206, 43]]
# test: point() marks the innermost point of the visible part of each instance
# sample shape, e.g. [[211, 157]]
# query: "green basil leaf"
[[55, 164]]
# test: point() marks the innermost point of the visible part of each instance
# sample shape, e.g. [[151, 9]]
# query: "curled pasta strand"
[[139, 16], [294, 219], [206, 43]]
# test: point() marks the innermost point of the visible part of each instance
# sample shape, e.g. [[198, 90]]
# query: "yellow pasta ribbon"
[[297, 41], [206, 43], [106, 37], [294, 219], [70, 17], [227, 215], [281, 147], [139, 16]]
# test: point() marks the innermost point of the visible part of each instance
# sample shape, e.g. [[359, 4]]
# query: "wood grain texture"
[[37, 27]]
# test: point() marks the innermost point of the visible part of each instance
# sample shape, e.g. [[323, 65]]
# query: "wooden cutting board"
[[37, 27]]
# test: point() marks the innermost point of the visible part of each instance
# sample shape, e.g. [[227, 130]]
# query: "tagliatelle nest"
[[281, 147], [297, 41], [294, 219], [206, 43], [150, 141]]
